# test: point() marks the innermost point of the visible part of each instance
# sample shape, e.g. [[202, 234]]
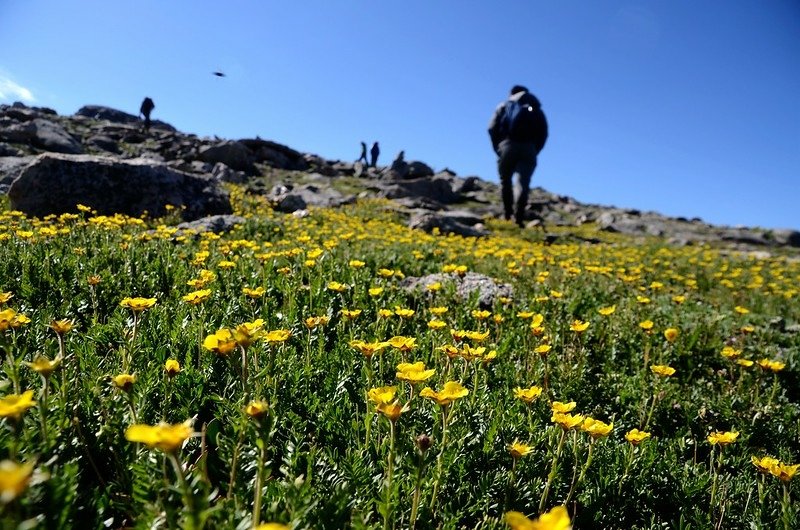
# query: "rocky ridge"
[[101, 157]]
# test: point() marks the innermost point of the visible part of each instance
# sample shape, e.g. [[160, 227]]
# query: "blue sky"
[[683, 107]]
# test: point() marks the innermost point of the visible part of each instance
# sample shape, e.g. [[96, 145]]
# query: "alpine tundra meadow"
[[283, 374]]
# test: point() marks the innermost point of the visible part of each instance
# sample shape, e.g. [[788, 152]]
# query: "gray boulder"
[[212, 223], [438, 189], [55, 184], [482, 288], [10, 168], [43, 134], [235, 155], [7, 150]]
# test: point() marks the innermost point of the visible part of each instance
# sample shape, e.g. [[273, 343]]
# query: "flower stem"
[[553, 469], [188, 498]]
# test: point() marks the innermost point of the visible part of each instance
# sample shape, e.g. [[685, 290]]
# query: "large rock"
[[275, 154], [483, 289], [43, 134], [55, 184], [10, 168], [438, 189], [235, 155]]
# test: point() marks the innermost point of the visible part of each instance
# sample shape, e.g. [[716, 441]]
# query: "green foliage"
[[321, 452]]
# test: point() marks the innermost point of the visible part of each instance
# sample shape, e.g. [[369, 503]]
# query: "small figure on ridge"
[[145, 110]]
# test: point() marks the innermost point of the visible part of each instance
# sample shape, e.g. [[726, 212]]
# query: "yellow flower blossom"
[[671, 334], [414, 372], [747, 363], [579, 326], [337, 287], [646, 325], [635, 436], [567, 421], [722, 438], [382, 395], [13, 406], [596, 428], [741, 310], [451, 391], [518, 450], [730, 353], [257, 409], [222, 342], [138, 304], [197, 297], [254, 294], [436, 325], [438, 311], [14, 479], [375, 291], [772, 366], [350, 314], [391, 410], [368, 349], [555, 519], [542, 349], [662, 370], [124, 382], [278, 335], [404, 344], [527, 394], [43, 366], [61, 327], [172, 367], [606, 311], [558, 406], [165, 437]]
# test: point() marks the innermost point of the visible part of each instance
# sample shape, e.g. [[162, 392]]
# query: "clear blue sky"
[[688, 108]]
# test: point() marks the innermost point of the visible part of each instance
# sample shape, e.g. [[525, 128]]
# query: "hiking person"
[[363, 153], [518, 130], [145, 110], [374, 152]]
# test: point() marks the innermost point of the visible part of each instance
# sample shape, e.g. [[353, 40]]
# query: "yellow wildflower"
[[414, 372], [555, 519], [527, 394], [14, 478], [518, 450], [451, 391], [662, 370], [197, 297], [14, 405], [382, 395], [560, 407], [165, 437], [172, 367], [567, 421], [722, 438], [596, 428], [124, 382], [635, 436], [606, 311], [222, 342], [278, 335], [138, 304], [43, 366], [256, 409], [772, 366], [61, 327], [579, 326], [671, 334]]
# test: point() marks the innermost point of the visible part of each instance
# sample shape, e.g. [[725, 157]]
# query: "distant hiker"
[[145, 110], [374, 152], [363, 153], [518, 130]]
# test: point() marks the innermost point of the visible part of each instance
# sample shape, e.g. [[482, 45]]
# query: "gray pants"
[[520, 158]]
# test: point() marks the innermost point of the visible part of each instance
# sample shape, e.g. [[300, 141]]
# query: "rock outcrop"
[[183, 169], [55, 184]]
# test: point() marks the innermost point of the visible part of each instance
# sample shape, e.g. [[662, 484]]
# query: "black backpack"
[[521, 121]]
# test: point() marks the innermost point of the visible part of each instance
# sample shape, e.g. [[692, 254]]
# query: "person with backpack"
[[518, 130], [374, 153], [145, 110]]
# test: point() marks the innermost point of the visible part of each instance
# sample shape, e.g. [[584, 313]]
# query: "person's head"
[[516, 89]]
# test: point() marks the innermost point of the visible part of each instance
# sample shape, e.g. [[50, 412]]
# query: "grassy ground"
[[282, 327]]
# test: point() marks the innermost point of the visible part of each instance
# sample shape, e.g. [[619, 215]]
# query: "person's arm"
[[494, 126]]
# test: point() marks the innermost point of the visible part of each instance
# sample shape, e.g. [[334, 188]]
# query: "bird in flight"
[[218, 74]]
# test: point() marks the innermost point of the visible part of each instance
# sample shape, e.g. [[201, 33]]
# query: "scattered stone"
[[235, 155], [483, 289], [212, 223], [428, 221]]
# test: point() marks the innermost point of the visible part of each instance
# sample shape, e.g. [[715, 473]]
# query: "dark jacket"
[[496, 132]]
